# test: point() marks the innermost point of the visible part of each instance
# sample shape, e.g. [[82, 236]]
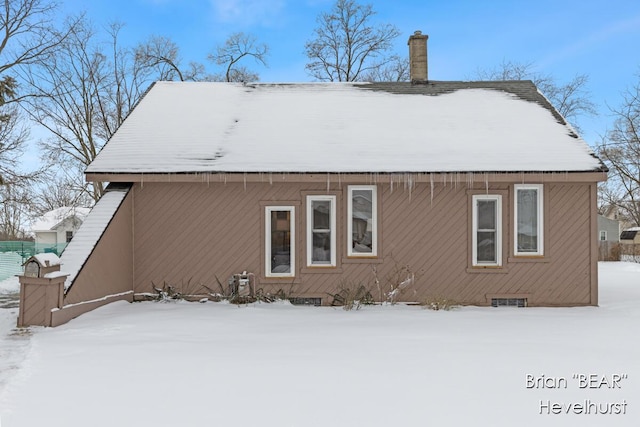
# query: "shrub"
[[397, 282], [437, 303], [351, 296]]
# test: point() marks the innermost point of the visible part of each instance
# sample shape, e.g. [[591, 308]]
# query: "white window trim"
[[267, 240], [474, 238], [540, 231], [374, 219], [601, 235], [332, 230]]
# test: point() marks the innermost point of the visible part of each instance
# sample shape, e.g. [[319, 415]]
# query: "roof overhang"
[[372, 177]]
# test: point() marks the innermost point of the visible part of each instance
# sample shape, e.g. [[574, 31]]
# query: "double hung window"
[[528, 233], [487, 230], [321, 231]]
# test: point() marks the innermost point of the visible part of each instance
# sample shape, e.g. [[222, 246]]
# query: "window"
[[69, 236], [528, 220], [321, 230], [487, 230], [362, 224], [280, 241], [603, 235]]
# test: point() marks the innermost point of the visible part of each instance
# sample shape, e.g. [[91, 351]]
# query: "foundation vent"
[[306, 301], [508, 302]]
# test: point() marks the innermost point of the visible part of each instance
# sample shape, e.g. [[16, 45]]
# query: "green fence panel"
[[14, 253]]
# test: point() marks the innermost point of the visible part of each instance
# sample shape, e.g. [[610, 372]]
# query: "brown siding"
[[109, 269], [38, 297], [189, 234]]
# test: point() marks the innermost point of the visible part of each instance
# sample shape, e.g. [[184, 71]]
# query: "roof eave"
[[595, 175]]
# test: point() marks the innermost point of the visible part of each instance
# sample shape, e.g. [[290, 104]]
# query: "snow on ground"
[[190, 364], [9, 285]]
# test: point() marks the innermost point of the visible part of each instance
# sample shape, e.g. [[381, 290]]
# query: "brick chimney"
[[418, 57]]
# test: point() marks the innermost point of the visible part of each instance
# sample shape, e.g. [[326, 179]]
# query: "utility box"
[[41, 289], [242, 284]]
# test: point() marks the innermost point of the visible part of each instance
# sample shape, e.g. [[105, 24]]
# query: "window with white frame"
[[528, 233], [321, 230], [487, 230], [362, 223], [280, 241], [603, 235]]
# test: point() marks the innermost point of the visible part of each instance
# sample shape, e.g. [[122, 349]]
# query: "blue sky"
[[561, 37]]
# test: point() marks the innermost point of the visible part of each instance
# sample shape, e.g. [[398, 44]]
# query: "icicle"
[[431, 182], [391, 182], [408, 182], [328, 181], [486, 182], [142, 181], [244, 179], [270, 178]]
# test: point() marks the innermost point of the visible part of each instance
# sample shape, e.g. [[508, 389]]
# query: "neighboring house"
[[608, 229], [630, 236], [616, 213], [54, 229], [480, 189]]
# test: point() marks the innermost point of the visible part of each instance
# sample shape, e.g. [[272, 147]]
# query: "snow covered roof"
[[84, 241], [47, 259], [53, 218], [188, 127]]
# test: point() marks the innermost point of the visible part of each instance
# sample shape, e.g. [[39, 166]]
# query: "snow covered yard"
[[190, 364]]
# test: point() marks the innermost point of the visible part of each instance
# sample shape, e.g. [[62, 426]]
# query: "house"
[[478, 192], [54, 229], [608, 229], [615, 212]]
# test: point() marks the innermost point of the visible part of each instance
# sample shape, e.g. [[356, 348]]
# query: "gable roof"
[[187, 127], [52, 219]]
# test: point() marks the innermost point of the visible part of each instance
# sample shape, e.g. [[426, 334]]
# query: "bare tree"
[[61, 188], [13, 135], [621, 151], [397, 70], [86, 90], [27, 35], [27, 32], [15, 210], [347, 46], [571, 99], [236, 48], [163, 55]]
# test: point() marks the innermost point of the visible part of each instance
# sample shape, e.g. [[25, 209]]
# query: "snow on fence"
[[614, 251]]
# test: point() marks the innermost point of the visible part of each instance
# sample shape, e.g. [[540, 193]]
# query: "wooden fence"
[[614, 251]]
